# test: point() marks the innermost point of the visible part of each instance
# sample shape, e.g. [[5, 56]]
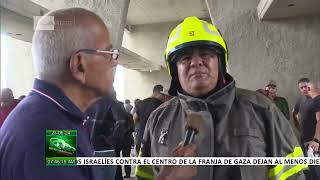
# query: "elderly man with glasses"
[[75, 66]]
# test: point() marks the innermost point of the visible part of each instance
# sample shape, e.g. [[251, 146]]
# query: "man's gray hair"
[[51, 49]]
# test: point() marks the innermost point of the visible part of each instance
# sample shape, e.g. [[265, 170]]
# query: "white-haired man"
[[75, 64]]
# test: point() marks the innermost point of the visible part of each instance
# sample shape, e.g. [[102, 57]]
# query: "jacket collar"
[[57, 96], [223, 97]]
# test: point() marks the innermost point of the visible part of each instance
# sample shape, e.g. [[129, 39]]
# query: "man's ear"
[[77, 67]]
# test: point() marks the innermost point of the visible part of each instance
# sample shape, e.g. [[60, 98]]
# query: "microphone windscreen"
[[195, 121]]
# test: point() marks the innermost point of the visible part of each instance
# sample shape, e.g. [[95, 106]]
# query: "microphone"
[[193, 127]]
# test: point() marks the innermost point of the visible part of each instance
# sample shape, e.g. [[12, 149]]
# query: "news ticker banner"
[[209, 161], [61, 150], [197, 161]]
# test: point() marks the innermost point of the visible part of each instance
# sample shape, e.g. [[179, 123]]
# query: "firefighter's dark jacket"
[[237, 123]]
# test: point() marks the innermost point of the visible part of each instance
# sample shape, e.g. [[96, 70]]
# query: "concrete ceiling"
[[156, 11], [17, 18], [23, 7], [16, 25], [274, 9], [136, 62]]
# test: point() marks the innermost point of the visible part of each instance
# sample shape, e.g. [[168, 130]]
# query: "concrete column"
[[281, 50], [113, 12]]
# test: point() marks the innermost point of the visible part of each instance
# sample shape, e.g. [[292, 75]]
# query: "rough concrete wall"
[[149, 41], [114, 14], [280, 50], [140, 84]]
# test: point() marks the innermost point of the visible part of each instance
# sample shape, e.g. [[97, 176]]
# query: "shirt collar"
[[57, 96]]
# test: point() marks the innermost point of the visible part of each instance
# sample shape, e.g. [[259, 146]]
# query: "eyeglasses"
[[114, 52]]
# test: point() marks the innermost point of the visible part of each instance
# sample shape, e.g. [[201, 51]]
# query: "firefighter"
[[235, 122]]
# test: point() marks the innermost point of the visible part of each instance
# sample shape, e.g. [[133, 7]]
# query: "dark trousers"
[[314, 171], [138, 143], [126, 153], [127, 168], [119, 167]]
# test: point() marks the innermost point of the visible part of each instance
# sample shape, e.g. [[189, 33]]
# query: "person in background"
[[264, 92], [302, 102], [167, 97], [123, 130], [112, 129], [310, 125], [143, 110], [21, 97], [103, 135], [101, 124], [127, 105], [8, 103], [135, 102], [280, 102], [157, 89], [128, 143], [136, 124]]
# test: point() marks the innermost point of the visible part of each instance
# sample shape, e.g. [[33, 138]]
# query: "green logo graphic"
[[61, 147]]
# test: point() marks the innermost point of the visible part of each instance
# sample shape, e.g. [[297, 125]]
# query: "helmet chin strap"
[[221, 72]]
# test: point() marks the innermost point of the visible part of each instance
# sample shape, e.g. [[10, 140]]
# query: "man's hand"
[[314, 145], [135, 118], [297, 125], [295, 118], [180, 172]]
